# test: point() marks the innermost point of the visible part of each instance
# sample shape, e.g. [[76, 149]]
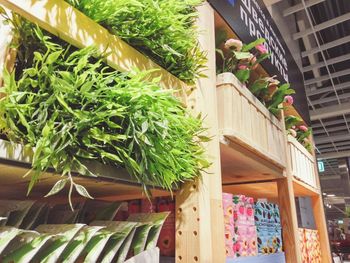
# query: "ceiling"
[[320, 42]]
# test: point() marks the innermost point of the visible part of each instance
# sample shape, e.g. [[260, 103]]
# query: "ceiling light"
[[331, 195], [324, 193]]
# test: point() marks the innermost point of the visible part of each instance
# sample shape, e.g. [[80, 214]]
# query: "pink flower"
[[242, 67], [293, 127], [237, 44], [293, 132], [261, 48], [288, 100], [303, 128]]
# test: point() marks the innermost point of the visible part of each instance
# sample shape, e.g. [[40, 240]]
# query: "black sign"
[[250, 20]]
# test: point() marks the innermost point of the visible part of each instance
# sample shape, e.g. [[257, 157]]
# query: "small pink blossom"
[[261, 48], [303, 128], [288, 100], [242, 67], [237, 44], [293, 127], [293, 132]]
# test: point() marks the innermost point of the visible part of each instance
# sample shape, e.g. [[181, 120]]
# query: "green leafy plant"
[[237, 58], [72, 108], [161, 29], [295, 127]]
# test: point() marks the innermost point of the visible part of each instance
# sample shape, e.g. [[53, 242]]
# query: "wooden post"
[[321, 225], [286, 200], [199, 214], [289, 220]]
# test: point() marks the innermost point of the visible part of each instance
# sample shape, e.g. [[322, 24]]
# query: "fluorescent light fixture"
[[324, 193], [330, 195]]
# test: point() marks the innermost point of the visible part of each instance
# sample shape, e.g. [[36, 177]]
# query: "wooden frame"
[[302, 163], [199, 215], [245, 120]]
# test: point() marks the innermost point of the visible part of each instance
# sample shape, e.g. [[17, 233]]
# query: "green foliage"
[[237, 60], [71, 107], [243, 75], [161, 29], [291, 121], [274, 105], [293, 124]]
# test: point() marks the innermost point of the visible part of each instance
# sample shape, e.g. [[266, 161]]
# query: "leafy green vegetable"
[[72, 108], [161, 29]]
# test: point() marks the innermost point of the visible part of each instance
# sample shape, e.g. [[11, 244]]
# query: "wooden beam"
[[199, 214]]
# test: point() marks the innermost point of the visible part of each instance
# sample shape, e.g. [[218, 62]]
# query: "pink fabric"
[[229, 223]]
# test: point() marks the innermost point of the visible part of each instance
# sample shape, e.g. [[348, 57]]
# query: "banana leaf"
[[42, 217], [3, 218], [77, 245], [24, 247], [6, 235], [156, 220], [32, 216], [121, 232], [63, 214], [139, 241], [61, 236], [124, 249], [98, 210], [95, 246], [17, 209]]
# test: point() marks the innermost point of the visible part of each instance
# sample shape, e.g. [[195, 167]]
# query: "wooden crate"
[[245, 120], [302, 162]]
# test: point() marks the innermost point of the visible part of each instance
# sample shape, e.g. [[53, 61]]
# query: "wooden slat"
[[61, 19], [244, 120]]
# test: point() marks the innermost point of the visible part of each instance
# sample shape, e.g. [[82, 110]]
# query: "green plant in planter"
[[71, 107], [299, 131], [237, 58], [161, 29]]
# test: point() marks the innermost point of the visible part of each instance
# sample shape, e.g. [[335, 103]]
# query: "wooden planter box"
[[245, 120], [302, 162]]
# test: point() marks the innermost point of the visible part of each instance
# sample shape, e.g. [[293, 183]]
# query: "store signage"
[[250, 19], [320, 165]]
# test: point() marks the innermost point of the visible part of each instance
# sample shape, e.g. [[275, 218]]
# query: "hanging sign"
[[320, 165], [250, 19]]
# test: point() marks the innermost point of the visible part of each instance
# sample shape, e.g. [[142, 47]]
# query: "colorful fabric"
[[229, 224], [312, 246], [267, 214], [302, 244], [240, 231], [269, 239]]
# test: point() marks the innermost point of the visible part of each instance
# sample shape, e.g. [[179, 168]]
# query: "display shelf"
[[302, 163], [271, 258], [268, 189], [240, 164], [245, 121], [112, 182]]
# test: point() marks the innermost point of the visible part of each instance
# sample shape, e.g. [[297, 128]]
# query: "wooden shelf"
[[268, 189], [303, 189], [239, 164], [111, 183], [252, 144]]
